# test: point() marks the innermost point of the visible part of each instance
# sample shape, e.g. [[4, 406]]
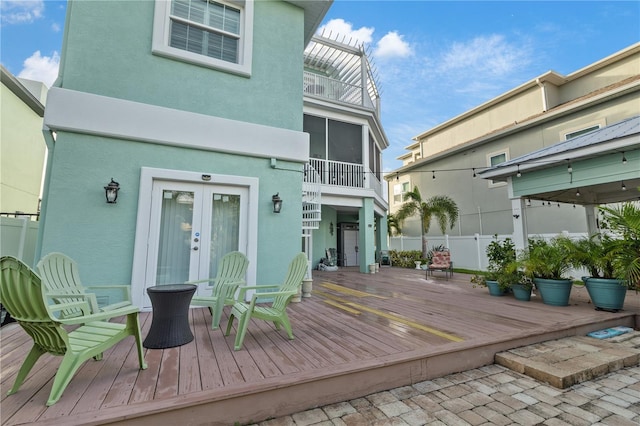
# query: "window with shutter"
[[217, 34]]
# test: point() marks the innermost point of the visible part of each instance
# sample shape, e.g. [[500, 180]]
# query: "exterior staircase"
[[311, 201]]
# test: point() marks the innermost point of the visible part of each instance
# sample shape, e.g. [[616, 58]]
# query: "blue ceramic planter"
[[521, 292], [554, 292], [494, 288], [606, 294]]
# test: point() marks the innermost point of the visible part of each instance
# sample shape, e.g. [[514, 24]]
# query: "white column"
[[519, 227], [591, 211]]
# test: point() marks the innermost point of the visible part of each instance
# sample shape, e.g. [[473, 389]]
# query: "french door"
[[192, 226]]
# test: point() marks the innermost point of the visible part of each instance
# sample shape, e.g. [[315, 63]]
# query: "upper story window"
[[399, 192], [493, 159], [580, 132], [216, 34]]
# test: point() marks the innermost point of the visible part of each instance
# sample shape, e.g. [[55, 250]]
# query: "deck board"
[[357, 333]]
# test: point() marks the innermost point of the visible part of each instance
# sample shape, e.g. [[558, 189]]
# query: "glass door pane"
[[225, 228], [174, 246]]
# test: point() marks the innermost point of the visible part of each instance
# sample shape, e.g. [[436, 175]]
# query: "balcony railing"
[[336, 90], [339, 173]]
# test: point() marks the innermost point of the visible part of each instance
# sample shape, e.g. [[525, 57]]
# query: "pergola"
[[599, 167]]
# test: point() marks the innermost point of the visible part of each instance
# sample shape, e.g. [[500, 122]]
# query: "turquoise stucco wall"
[[108, 52], [322, 238], [100, 236]]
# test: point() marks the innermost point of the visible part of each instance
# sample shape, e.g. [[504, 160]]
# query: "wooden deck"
[[357, 334]]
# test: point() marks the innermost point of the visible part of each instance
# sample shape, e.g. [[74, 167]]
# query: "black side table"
[[170, 323]]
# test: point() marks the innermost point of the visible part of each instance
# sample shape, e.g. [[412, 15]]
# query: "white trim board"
[[80, 112]]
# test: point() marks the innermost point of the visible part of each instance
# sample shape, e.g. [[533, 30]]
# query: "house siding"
[[108, 52], [487, 209], [21, 156], [208, 122], [82, 225]]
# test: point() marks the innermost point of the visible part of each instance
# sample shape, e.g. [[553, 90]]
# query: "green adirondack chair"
[[231, 275], [61, 280], [21, 293], [277, 311]]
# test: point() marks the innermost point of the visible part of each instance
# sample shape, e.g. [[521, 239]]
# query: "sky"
[[434, 59]]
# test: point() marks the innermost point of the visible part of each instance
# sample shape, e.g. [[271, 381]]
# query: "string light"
[[475, 170], [433, 174], [623, 187], [578, 192]]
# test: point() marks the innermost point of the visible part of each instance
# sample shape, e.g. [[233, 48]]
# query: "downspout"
[[545, 100]]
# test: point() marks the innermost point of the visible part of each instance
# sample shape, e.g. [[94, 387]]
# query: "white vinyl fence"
[[468, 252], [18, 238]]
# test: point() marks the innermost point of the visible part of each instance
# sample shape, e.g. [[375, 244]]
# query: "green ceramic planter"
[[606, 294], [521, 292], [554, 292], [494, 288]]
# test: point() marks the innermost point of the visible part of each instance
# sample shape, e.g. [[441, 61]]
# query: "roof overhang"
[[20, 91], [314, 12], [619, 137]]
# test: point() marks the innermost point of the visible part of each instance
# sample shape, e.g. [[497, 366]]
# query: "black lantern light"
[[277, 203], [111, 191]]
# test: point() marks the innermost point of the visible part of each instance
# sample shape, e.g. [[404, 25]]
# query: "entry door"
[[192, 226], [350, 246]]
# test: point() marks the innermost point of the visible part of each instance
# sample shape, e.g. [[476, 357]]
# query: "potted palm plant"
[[613, 257], [598, 254], [547, 263]]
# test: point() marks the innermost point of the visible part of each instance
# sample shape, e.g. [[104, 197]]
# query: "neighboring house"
[[342, 117], [23, 148], [547, 110], [598, 167], [195, 109]]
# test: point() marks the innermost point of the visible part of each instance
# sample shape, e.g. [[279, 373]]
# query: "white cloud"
[[392, 45], [41, 68], [55, 27], [490, 55], [21, 11], [341, 28]]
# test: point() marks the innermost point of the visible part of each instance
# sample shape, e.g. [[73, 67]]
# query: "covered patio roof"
[[599, 167]]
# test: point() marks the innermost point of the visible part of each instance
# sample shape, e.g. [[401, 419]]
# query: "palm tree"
[[393, 225], [442, 207]]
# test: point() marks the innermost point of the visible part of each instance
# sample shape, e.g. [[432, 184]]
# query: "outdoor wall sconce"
[[111, 191], [277, 203], [331, 228]]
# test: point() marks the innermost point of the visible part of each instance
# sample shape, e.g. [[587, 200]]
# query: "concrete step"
[[568, 361]]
